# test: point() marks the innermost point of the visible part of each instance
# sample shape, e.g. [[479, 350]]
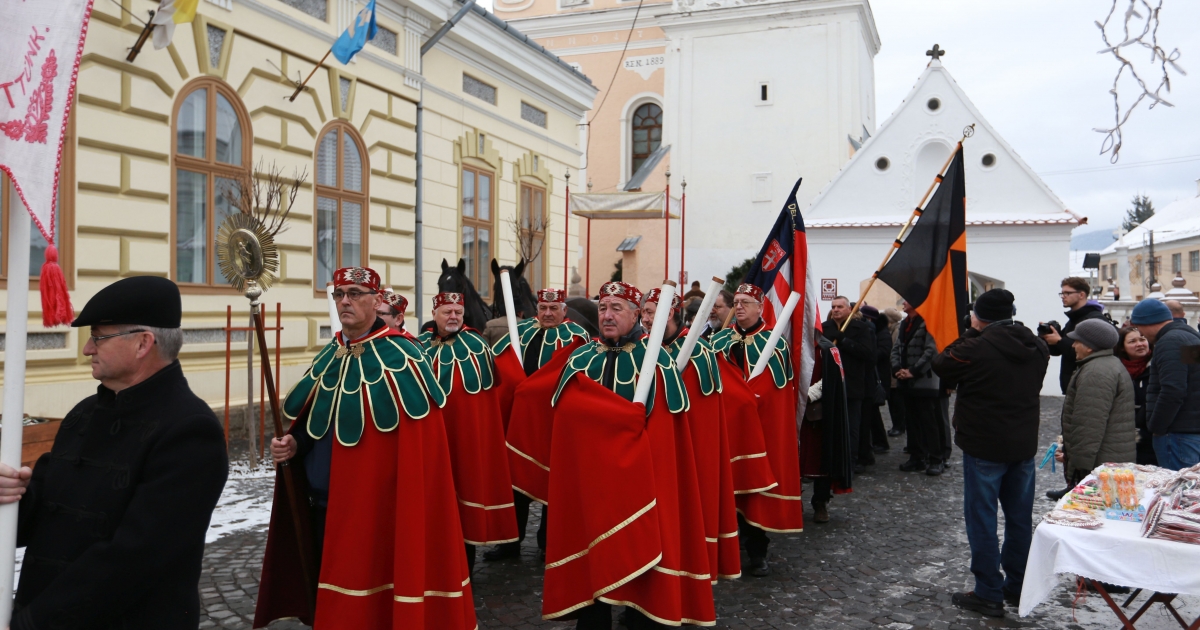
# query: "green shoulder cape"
[[555, 338], [589, 361], [468, 352], [780, 363], [390, 369], [704, 359]]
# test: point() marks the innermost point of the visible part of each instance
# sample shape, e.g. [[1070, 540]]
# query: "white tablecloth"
[[1116, 554]]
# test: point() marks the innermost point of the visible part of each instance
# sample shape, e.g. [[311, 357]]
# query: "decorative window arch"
[[64, 224], [340, 225], [210, 151], [645, 133]]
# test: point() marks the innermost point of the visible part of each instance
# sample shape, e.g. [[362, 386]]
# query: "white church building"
[[1018, 230]]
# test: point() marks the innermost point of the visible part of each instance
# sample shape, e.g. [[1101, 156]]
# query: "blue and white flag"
[[356, 35]]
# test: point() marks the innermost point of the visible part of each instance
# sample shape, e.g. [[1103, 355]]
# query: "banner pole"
[[900, 237], [13, 420]]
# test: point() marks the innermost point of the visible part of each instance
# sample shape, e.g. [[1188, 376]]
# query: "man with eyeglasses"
[[114, 517], [743, 344], [391, 310], [369, 435], [465, 368], [1074, 294], [545, 342]]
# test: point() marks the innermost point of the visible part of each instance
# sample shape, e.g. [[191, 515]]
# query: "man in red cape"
[[628, 522], [367, 430], [462, 360], [778, 509], [542, 340], [706, 418]]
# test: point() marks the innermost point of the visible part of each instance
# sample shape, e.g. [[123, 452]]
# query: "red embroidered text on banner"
[[41, 42]]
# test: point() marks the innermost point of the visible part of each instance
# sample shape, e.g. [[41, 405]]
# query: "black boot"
[[913, 464], [503, 552], [759, 567]]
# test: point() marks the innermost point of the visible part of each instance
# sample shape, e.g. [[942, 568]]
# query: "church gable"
[[890, 174]]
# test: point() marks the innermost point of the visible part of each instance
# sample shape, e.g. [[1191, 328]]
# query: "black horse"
[[523, 298], [454, 279], [579, 310]]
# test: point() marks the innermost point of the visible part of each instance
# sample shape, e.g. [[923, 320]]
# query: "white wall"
[[821, 89]]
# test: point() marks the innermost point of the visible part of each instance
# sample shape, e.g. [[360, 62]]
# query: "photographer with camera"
[[1075, 292]]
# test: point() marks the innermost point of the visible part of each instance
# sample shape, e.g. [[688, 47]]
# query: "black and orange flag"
[[929, 269]]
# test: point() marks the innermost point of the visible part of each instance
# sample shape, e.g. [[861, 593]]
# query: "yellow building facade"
[[154, 143]]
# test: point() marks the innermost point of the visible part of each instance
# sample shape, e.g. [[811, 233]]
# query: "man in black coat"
[[114, 516], [857, 346], [1074, 294], [998, 366]]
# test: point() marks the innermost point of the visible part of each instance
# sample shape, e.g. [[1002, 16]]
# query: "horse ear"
[[519, 270], [445, 265], [462, 265], [495, 269]]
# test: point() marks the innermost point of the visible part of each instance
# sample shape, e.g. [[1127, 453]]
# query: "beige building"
[[749, 95], [1126, 265], [154, 143]]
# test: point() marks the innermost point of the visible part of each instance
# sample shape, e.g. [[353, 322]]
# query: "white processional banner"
[[41, 42]]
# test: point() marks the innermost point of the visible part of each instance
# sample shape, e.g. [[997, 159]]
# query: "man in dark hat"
[[113, 519], [998, 365]]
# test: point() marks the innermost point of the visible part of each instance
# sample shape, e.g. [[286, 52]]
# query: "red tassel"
[[56, 302]]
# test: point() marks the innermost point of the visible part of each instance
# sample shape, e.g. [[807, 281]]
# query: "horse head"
[[523, 297]]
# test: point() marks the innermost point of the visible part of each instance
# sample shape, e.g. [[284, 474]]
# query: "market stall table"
[[1113, 554]]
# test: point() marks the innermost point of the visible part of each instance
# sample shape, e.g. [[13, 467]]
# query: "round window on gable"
[[882, 164], [933, 104], [988, 160]]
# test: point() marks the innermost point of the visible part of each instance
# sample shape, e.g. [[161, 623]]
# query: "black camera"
[[1049, 327]]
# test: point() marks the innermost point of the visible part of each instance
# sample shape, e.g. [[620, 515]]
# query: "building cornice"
[[577, 23], [676, 23]]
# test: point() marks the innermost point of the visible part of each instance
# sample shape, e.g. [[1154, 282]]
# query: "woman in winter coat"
[[1134, 352], [1098, 411]]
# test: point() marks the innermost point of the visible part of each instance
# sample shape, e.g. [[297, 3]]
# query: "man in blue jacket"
[[1173, 395]]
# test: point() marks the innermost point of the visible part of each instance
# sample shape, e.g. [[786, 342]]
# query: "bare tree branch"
[[526, 245], [1159, 58], [266, 195]]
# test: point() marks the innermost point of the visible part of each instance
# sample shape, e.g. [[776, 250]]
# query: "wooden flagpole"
[[904, 228], [300, 87]]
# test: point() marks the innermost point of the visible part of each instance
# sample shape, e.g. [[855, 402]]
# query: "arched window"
[[647, 134], [341, 202], [212, 155]]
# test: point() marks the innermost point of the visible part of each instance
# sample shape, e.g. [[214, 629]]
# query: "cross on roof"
[[935, 52]]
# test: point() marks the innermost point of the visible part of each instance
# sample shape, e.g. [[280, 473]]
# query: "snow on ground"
[[245, 503]]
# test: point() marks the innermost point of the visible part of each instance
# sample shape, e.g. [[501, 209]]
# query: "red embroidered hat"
[[397, 301], [622, 290], [746, 288], [655, 294], [552, 296], [443, 299], [364, 276]]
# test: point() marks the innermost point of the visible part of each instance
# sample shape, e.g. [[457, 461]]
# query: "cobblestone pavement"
[[892, 554]]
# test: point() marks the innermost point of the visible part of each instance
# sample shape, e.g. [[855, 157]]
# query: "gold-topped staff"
[[249, 260], [968, 131]]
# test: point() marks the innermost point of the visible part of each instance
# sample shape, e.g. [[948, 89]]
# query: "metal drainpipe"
[[419, 210]]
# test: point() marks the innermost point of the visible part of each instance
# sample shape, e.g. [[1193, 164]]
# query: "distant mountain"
[[1093, 241]]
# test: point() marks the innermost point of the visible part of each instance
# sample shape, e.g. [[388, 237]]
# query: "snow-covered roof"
[[1176, 221], [1062, 218], [889, 175]]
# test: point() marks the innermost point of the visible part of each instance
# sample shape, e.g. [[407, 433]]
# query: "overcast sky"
[[1032, 69]]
